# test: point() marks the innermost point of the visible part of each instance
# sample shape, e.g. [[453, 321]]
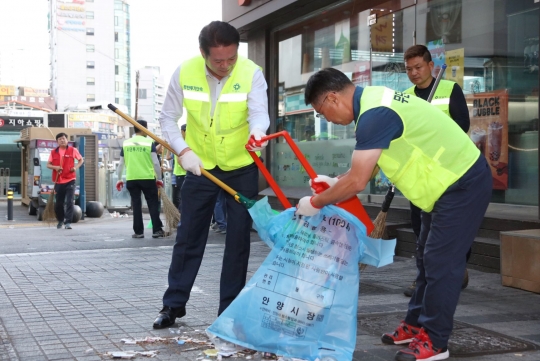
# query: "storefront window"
[[490, 48]]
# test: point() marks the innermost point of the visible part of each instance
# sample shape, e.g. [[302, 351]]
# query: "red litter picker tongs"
[[351, 205]]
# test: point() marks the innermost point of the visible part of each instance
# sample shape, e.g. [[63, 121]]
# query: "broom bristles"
[[172, 215], [378, 232], [49, 215]]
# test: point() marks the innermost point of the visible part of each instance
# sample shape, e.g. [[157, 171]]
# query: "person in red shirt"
[[62, 163]]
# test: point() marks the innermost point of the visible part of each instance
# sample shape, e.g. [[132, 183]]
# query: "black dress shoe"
[[168, 315]]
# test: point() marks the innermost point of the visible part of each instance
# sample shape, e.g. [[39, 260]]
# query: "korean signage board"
[[7, 90], [489, 131], [33, 92], [18, 123], [46, 102]]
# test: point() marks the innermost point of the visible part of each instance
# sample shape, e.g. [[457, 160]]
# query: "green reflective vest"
[[218, 140], [178, 170], [138, 158], [441, 98], [430, 155]]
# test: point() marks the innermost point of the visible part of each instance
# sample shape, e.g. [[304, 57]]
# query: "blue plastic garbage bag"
[[302, 301]]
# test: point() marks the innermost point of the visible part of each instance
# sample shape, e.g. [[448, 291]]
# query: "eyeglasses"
[[318, 115]]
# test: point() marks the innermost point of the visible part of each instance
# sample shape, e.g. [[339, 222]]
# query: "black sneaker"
[[158, 234], [59, 225], [137, 235], [68, 226], [410, 290]]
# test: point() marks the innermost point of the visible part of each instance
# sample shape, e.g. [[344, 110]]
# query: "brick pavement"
[[78, 305]]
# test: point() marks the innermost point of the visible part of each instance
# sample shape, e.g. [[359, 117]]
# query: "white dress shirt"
[[172, 110]]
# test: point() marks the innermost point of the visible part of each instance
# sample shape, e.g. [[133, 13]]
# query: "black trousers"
[[150, 190], [416, 224], [199, 196], [176, 194], [447, 234], [65, 194]]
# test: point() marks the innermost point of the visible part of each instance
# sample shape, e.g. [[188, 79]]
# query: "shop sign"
[[489, 131], [17, 123], [71, 7], [382, 38], [70, 15], [47, 102], [47, 143], [455, 61], [34, 92], [7, 90]]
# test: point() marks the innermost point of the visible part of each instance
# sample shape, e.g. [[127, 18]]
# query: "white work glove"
[[321, 179], [256, 134], [191, 162], [306, 208]]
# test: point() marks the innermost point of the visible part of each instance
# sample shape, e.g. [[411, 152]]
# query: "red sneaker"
[[421, 349], [404, 333]]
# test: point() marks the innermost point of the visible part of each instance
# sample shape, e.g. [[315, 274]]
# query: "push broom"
[[172, 215]]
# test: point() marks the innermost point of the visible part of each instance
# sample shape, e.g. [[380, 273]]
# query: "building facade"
[[89, 42], [151, 94], [490, 48]]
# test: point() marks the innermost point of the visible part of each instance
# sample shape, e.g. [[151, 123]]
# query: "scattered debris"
[[116, 214], [131, 354]]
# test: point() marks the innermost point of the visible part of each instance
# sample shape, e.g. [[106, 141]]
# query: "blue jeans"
[[199, 195], [220, 210], [446, 235]]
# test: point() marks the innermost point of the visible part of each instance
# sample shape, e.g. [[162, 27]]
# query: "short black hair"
[[324, 81], [142, 122], [183, 127], [218, 33], [60, 135], [417, 50]]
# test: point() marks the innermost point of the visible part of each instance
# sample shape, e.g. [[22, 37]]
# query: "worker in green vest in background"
[[449, 98], [436, 166], [143, 174]]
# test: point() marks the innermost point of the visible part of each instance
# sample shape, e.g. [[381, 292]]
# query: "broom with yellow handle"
[[245, 201]]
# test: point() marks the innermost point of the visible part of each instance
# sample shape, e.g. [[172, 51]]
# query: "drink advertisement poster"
[[455, 60], [489, 131], [438, 55]]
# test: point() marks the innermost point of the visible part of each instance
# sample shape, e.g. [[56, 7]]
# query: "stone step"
[[485, 254]]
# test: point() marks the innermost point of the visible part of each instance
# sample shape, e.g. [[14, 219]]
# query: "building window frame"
[[89, 14], [90, 81], [90, 64], [90, 31], [90, 48]]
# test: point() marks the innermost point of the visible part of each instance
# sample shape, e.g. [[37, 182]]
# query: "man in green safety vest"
[[437, 167], [449, 98], [225, 98], [139, 156]]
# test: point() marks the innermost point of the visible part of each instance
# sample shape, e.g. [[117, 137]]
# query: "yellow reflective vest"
[[218, 140], [430, 155], [138, 158], [441, 98]]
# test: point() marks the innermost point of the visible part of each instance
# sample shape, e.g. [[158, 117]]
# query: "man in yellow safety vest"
[[226, 103], [437, 167]]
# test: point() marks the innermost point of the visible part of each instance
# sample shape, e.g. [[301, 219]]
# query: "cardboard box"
[[520, 259]]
